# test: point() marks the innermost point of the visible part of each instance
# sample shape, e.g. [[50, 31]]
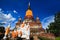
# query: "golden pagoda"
[[35, 24], [36, 29], [29, 13]]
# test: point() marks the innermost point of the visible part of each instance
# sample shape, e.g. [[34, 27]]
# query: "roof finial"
[[29, 3], [29, 6]]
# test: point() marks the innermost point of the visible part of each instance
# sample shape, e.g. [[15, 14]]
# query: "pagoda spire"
[[29, 13], [29, 6], [29, 3]]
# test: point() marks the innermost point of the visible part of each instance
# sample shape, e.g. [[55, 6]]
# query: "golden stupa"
[[29, 13]]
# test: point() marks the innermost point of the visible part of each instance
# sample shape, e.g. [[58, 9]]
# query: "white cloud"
[[4, 22], [15, 11], [15, 21], [6, 18], [0, 9], [47, 20]]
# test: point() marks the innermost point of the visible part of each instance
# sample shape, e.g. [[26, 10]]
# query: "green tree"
[[54, 27]]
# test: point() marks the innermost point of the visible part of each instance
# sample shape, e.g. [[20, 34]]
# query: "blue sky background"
[[10, 10]]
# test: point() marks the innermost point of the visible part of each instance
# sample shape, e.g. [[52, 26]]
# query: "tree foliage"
[[54, 27]]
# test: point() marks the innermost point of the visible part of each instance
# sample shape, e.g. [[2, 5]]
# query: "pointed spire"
[[29, 6]]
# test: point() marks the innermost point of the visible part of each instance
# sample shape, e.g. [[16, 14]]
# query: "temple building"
[[36, 29], [35, 24]]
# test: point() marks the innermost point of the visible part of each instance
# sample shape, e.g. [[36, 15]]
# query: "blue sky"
[[10, 10]]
